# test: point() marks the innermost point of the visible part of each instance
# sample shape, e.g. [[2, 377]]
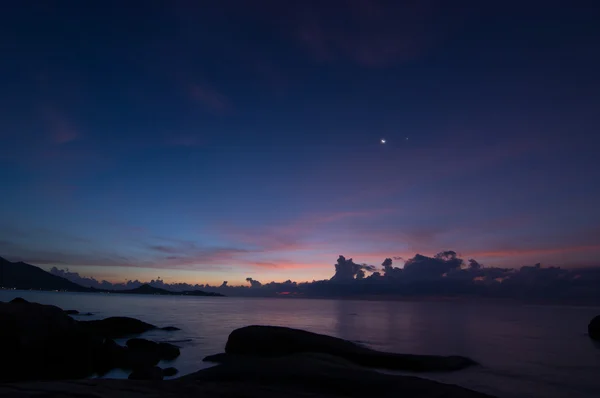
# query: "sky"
[[205, 141]]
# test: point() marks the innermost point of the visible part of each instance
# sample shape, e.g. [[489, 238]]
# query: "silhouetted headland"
[[44, 346], [23, 276]]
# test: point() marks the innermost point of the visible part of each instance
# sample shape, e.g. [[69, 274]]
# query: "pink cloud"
[[536, 251], [283, 264], [295, 235]]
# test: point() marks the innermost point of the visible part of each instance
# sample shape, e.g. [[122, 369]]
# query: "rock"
[[273, 341], [116, 327], [18, 300], [294, 376], [220, 358], [322, 375], [42, 342], [139, 359], [108, 356], [170, 328], [168, 372], [164, 351], [147, 373], [594, 328], [168, 351], [71, 312], [141, 344]]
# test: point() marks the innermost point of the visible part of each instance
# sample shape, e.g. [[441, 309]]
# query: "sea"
[[523, 350]]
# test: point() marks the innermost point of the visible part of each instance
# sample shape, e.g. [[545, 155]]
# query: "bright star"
[[383, 140]]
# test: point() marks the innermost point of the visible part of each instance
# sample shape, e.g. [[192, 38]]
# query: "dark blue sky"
[[203, 141]]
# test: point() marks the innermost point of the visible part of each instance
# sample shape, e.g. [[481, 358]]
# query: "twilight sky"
[[203, 141]]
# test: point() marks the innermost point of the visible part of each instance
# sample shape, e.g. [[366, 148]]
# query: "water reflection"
[[524, 351]]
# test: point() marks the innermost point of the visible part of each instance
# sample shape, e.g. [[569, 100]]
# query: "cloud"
[[421, 266], [253, 283], [296, 234], [388, 270], [444, 274], [347, 270]]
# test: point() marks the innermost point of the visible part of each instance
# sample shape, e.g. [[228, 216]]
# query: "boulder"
[[321, 375], [275, 341], [170, 328], [108, 356], [164, 351], [594, 328], [293, 376], [168, 372], [116, 327], [42, 342], [147, 373], [141, 345], [168, 351], [138, 359]]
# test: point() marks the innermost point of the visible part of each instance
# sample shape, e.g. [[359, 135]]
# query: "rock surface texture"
[[273, 341], [294, 376], [44, 346], [42, 342]]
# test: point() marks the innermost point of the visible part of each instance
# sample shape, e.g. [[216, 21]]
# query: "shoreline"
[[408, 299]]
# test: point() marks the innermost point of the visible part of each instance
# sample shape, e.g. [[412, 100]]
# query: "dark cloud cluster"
[[253, 283], [442, 275], [347, 270]]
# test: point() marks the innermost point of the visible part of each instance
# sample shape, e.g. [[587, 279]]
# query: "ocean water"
[[524, 350]]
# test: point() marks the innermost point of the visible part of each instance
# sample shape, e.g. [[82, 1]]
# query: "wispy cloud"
[[297, 234]]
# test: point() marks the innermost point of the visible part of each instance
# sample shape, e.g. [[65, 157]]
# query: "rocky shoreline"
[[48, 353]]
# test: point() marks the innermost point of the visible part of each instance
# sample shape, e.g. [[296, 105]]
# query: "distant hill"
[[200, 293], [20, 275], [147, 289], [23, 276]]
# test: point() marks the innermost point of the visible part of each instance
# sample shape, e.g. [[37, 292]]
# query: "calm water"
[[525, 351]]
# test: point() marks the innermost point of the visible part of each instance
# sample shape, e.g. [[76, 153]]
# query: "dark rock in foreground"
[[119, 326], [273, 341], [109, 355], [594, 328], [142, 352], [116, 327], [148, 373], [168, 372], [294, 376], [42, 342], [170, 328]]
